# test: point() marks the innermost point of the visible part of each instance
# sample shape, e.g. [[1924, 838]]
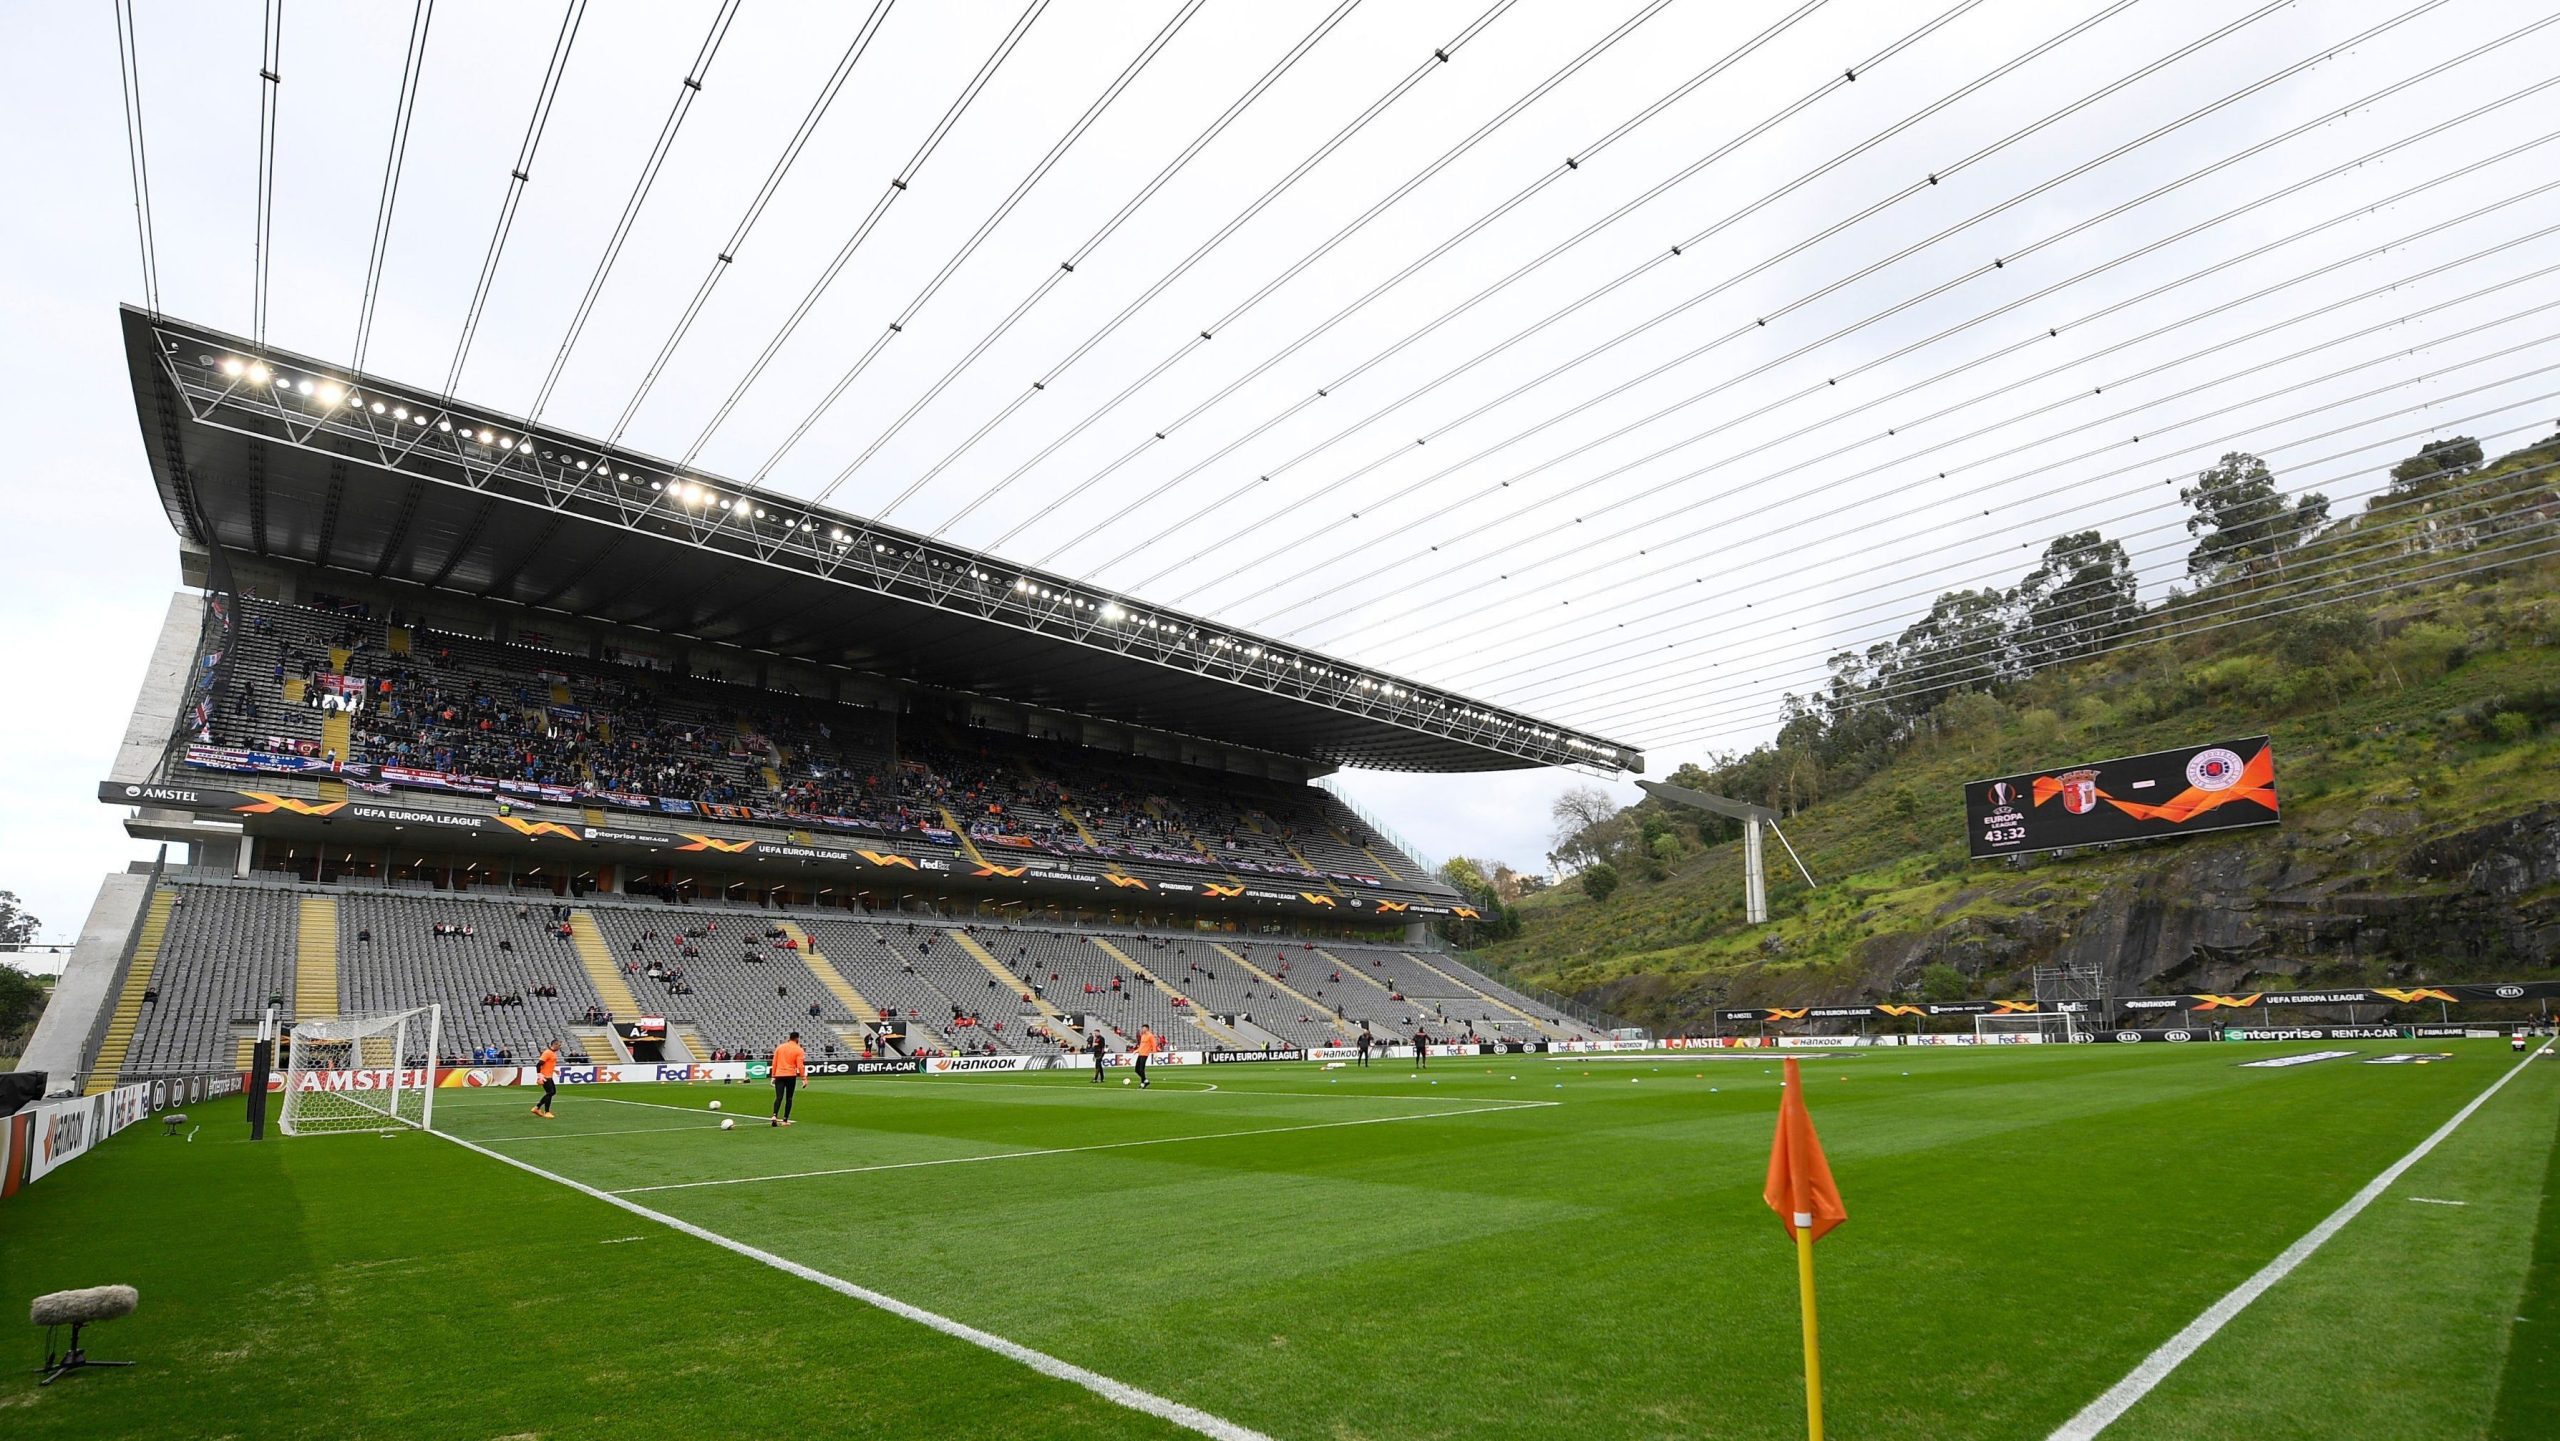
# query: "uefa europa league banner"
[[2218, 787]]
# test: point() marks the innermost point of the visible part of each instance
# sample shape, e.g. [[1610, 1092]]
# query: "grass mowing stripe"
[[2155, 1368], [573, 1135], [2529, 1390], [1190, 1418], [1072, 1150]]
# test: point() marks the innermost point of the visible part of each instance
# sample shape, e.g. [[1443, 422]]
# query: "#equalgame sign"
[[2218, 787]]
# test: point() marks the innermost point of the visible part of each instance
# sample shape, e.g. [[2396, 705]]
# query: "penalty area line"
[[1119, 1393], [2098, 1415]]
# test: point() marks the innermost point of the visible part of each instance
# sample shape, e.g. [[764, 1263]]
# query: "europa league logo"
[[2079, 791]]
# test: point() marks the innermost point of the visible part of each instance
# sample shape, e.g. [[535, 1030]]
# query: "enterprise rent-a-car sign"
[[2218, 787]]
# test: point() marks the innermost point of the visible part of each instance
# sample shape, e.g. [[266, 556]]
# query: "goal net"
[[361, 1073], [2059, 1027]]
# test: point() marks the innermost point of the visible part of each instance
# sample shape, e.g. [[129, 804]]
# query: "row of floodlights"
[[693, 495]]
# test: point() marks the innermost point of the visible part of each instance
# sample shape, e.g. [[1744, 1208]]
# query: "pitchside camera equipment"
[[2218, 787]]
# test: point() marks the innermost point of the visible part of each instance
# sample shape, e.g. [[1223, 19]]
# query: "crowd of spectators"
[[475, 709]]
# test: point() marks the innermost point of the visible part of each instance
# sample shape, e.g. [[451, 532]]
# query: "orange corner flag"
[[1800, 1188], [1808, 1205]]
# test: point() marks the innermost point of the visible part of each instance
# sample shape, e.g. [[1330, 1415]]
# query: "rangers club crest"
[[2079, 791], [2213, 770]]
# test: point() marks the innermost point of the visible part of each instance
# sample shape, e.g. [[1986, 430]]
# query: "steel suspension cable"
[[1831, 85], [412, 66], [2387, 415], [137, 158], [898, 186], [687, 89], [1199, 142], [1749, 327], [986, 227], [727, 255], [1787, 670], [1439, 57], [518, 177], [1326, 247], [2045, 334], [262, 240]]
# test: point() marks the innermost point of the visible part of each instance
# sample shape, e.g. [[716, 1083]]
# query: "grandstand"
[[459, 711]]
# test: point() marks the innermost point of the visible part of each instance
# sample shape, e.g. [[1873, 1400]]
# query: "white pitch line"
[[2432, 1201], [2155, 1368], [1120, 1393], [1072, 1150]]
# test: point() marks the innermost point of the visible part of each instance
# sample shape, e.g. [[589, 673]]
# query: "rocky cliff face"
[[2380, 901]]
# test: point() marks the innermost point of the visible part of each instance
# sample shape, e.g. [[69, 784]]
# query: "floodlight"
[[231, 365]]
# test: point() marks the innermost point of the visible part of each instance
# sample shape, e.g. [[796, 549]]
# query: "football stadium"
[[618, 937]]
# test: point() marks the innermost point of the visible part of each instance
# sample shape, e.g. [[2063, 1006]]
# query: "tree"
[[21, 1001], [2437, 460], [1600, 881], [1465, 875], [16, 926], [2080, 599], [1963, 641], [1587, 826], [1942, 983], [2241, 521]]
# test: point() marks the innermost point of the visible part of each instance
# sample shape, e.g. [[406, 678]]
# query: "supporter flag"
[[1800, 1190]]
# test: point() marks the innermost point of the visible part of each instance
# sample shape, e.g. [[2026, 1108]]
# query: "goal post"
[[362, 1073], [2028, 1028]]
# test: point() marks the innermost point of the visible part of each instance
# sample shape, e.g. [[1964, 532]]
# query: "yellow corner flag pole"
[[1812, 1334], [1808, 1204]]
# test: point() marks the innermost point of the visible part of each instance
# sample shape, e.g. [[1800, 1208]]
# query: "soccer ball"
[[728, 1123], [715, 1105], [1126, 1080]]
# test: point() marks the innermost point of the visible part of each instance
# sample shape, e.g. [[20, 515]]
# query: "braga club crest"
[[2079, 791]]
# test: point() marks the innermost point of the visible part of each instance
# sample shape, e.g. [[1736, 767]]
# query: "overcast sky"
[[1590, 548]]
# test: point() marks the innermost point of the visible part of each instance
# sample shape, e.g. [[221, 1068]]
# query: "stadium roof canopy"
[[276, 455]]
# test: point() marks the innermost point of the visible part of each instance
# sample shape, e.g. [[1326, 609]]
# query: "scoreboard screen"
[[2218, 787]]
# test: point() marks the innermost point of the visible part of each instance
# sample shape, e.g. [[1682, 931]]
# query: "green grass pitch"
[[1568, 1247]]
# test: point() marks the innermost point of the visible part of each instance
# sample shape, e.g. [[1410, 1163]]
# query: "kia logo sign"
[[2128, 1036], [2180, 1036], [2510, 993]]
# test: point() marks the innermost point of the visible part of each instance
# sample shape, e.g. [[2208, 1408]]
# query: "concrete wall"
[[88, 983], [164, 690]]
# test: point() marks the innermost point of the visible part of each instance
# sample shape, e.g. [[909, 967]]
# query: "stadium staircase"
[[1375, 859], [128, 1012], [1190, 840], [960, 833], [337, 734], [1084, 832], [691, 1040], [596, 959], [1349, 969], [833, 981], [1012, 983], [767, 765], [1189, 1011], [1315, 1008], [315, 958], [596, 1044], [1261, 825], [1489, 998]]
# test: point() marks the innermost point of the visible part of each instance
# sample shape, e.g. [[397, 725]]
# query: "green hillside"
[[2406, 660]]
